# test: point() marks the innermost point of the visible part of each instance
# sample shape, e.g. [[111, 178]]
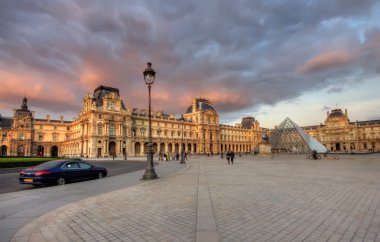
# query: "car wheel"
[[100, 175], [61, 181]]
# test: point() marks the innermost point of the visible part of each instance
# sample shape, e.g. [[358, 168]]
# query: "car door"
[[71, 171], [86, 170]]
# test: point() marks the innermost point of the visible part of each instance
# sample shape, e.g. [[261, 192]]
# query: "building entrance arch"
[[112, 148], [137, 148], [162, 148], [337, 147], [54, 151], [3, 151], [20, 150], [40, 151]]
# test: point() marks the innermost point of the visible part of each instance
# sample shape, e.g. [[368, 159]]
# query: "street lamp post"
[[182, 144], [150, 173]]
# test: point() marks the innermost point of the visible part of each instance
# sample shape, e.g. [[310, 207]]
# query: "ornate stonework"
[[105, 127]]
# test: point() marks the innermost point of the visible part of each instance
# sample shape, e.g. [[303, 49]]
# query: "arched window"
[[21, 136], [55, 137], [99, 129], [4, 136], [133, 132], [112, 129]]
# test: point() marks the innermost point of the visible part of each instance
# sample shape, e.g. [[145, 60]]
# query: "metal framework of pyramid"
[[288, 137]]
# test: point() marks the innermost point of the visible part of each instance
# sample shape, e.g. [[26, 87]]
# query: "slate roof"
[[102, 91], [6, 122], [201, 106]]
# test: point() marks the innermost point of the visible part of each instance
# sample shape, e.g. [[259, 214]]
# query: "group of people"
[[168, 157]]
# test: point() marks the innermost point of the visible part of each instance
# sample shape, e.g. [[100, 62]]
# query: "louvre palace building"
[[106, 128], [339, 134]]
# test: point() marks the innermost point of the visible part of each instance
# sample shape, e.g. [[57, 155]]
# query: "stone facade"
[[340, 135], [106, 128], [23, 135]]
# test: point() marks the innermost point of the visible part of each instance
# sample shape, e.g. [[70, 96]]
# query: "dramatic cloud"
[[240, 54], [325, 61]]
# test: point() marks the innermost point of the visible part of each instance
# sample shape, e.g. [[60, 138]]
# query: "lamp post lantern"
[[150, 173], [182, 144]]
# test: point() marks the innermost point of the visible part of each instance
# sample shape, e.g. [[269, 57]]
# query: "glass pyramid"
[[288, 137]]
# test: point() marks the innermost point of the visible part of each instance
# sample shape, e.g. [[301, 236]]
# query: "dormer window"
[[4, 136], [21, 136], [111, 105]]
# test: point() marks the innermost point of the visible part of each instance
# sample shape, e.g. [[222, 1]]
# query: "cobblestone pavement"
[[287, 198]]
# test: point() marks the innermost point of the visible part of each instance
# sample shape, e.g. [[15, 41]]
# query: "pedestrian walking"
[[228, 157], [232, 156]]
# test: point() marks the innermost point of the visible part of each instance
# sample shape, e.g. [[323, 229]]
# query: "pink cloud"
[[89, 78], [324, 61], [17, 85]]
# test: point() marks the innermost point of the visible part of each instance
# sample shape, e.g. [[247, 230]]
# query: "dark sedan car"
[[60, 172]]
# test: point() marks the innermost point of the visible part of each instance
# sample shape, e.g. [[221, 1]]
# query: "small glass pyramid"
[[288, 137]]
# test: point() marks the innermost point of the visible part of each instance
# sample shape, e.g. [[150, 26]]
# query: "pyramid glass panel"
[[288, 137]]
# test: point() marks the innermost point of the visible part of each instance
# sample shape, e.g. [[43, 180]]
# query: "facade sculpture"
[[105, 127]]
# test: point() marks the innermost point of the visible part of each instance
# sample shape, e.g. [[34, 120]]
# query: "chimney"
[[48, 118], [61, 118], [194, 105], [345, 112]]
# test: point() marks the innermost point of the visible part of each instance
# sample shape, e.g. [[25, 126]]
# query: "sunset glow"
[[249, 58]]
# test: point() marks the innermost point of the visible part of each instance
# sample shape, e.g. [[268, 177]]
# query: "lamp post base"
[[150, 174]]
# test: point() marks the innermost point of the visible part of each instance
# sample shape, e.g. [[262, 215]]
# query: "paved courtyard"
[[287, 198]]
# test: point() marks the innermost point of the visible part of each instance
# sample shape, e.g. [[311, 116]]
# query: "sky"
[[266, 59]]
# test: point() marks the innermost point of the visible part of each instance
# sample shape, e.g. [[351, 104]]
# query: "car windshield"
[[47, 165]]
